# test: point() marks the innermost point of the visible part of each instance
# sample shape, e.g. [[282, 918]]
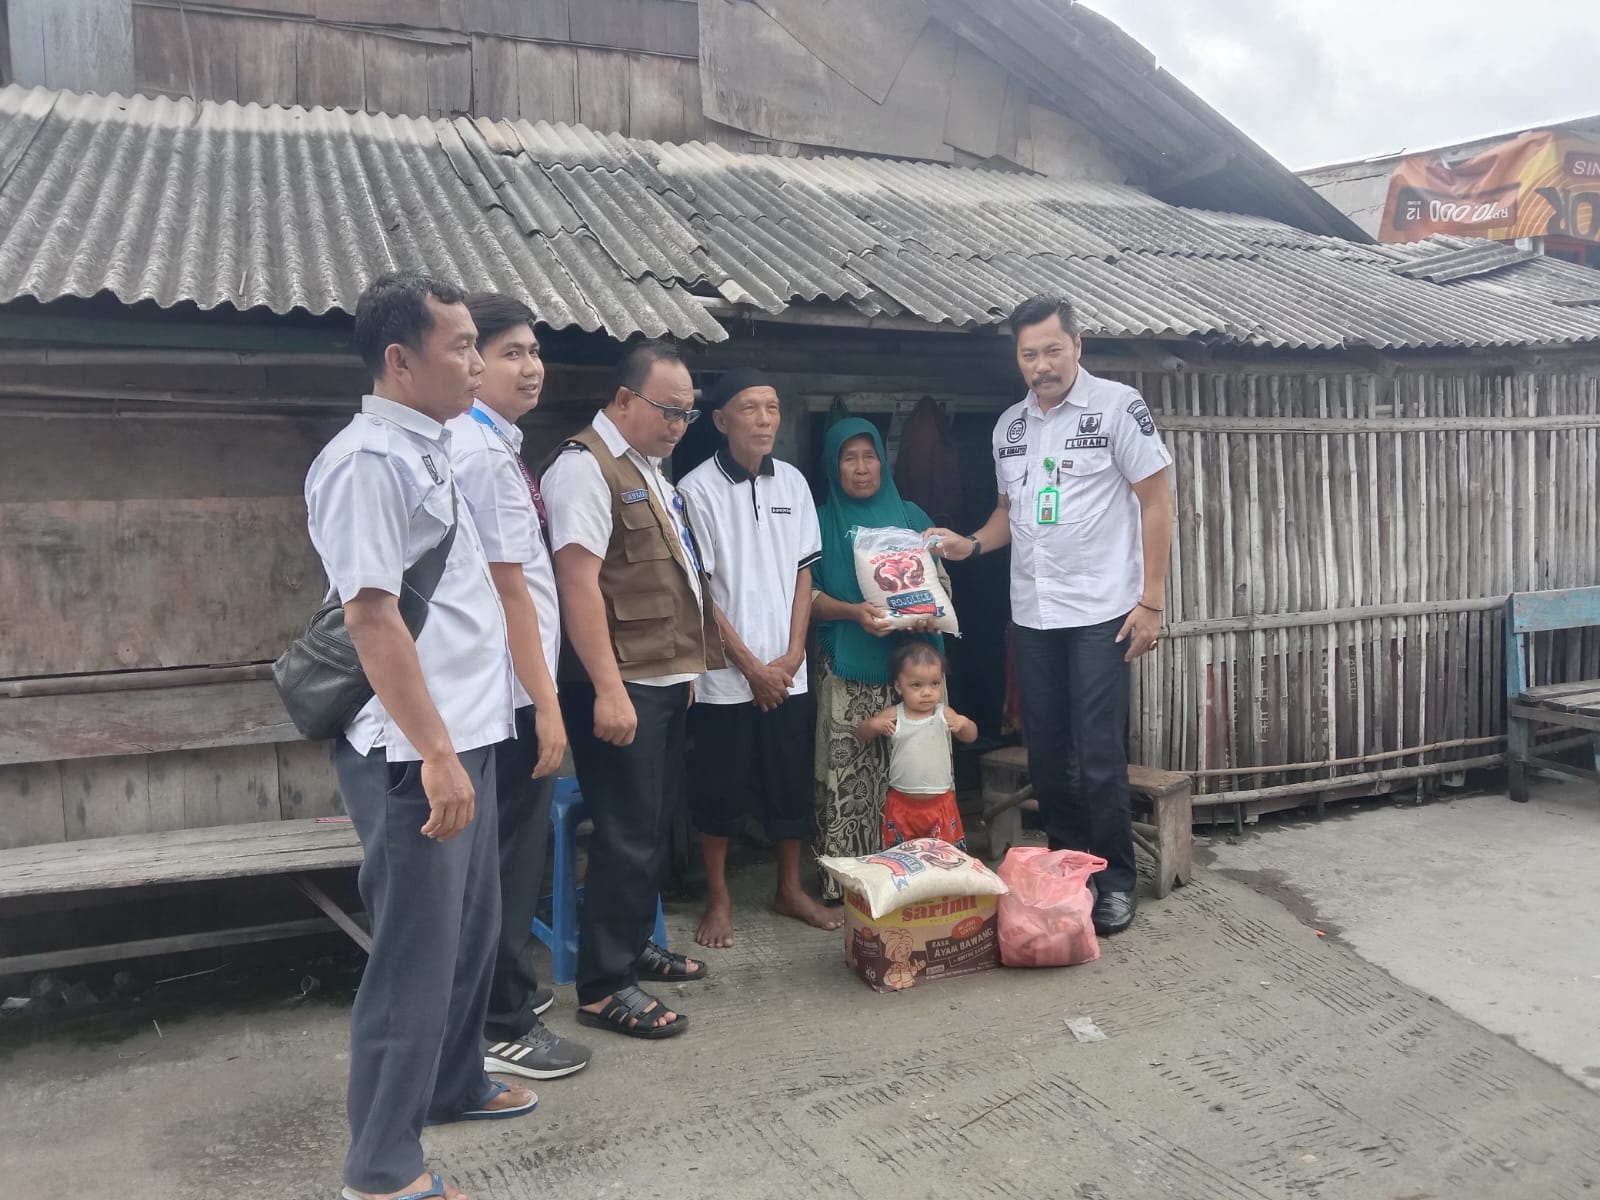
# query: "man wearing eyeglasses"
[[639, 629]]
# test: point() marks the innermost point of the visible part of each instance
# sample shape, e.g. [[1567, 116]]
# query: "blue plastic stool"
[[560, 905]]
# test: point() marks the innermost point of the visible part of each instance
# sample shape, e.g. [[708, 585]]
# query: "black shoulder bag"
[[319, 677]]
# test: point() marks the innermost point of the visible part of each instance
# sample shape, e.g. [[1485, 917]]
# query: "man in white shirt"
[[1086, 506], [508, 513], [754, 721], [415, 765], [640, 630]]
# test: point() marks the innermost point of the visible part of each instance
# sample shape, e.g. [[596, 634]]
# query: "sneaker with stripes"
[[538, 1054]]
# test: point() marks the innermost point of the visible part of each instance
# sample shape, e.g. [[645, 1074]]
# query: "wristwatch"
[[977, 546]]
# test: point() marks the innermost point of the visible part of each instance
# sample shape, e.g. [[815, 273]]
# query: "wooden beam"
[[80, 956], [197, 716], [274, 336]]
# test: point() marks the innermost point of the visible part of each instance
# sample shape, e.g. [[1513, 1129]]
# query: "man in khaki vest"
[[639, 628]]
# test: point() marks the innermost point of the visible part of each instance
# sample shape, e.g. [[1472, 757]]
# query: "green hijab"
[[855, 653]]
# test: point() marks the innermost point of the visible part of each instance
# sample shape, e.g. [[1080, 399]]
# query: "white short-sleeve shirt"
[[579, 502], [1087, 567], [757, 532], [378, 498], [485, 458]]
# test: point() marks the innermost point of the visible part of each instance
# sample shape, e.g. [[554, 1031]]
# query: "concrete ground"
[[1490, 906], [1245, 1058]]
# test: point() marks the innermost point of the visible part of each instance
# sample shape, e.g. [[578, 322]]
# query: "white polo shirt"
[[486, 458], [1088, 567], [757, 532], [378, 498], [579, 503]]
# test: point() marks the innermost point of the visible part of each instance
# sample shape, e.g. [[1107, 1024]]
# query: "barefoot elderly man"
[[416, 764], [754, 720], [1086, 506]]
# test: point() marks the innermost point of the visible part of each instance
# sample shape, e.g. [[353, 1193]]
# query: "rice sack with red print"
[[897, 573], [919, 911]]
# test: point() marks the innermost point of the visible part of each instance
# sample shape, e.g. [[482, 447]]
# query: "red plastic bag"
[[1045, 919]]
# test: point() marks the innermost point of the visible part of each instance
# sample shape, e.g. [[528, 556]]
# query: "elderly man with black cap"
[[753, 721]]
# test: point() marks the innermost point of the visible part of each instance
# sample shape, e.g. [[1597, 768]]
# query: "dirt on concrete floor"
[[1486, 904], [1245, 1058]]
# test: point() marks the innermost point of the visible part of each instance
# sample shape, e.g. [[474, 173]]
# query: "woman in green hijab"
[[851, 775]]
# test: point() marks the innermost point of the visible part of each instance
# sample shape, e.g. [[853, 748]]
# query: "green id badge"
[[1049, 505]]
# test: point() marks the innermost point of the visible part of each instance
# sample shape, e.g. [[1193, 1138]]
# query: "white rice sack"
[[897, 573], [914, 871]]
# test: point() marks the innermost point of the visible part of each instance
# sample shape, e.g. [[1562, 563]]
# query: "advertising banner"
[[1542, 184]]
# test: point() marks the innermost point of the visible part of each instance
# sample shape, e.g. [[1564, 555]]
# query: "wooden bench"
[[1575, 705], [1166, 797], [291, 849]]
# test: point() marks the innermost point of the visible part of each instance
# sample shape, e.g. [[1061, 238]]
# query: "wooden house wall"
[[767, 78], [1346, 535], [154, 562]]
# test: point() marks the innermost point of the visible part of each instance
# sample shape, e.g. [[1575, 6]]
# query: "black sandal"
[[633, 1011], [661, 966]]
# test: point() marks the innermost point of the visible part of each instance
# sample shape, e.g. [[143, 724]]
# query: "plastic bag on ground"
[[897, 573], [1045, 917]]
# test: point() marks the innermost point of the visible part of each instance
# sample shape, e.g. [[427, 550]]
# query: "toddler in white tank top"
[[921, 801]]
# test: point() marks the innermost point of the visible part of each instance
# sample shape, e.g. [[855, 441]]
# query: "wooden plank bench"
[[1575, 705], [1166, 797], [291, 849]]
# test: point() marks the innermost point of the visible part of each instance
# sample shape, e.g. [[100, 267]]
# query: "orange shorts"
[[908, 817]]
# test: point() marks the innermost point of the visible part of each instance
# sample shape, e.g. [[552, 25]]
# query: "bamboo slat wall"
[[1344, 544]]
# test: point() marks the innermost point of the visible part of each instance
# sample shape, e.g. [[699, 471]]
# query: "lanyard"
[[484, 418]]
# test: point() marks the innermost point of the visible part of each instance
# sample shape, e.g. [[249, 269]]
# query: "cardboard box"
[[933, 939]]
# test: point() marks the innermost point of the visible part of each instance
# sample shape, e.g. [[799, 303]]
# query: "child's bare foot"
[[798, 904], [716, 927], [422, 1185]]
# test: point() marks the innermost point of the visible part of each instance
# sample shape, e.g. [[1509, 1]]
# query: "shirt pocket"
[[1086, 489], [644, 630], [1013, 473], [643, 539]]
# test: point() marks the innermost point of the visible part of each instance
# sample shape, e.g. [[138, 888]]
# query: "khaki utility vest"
[[657, 627]]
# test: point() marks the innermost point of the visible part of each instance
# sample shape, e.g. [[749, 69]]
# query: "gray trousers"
[[416, 1048]]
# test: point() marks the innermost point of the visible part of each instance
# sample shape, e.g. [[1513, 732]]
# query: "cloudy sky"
[[1321, 82]]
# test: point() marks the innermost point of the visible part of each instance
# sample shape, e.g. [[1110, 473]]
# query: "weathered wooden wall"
[[782, 76], [1347, 532], [155, 556], [1345, 542]]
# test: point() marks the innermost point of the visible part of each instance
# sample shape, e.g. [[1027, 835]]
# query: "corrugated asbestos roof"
[[169, 200]]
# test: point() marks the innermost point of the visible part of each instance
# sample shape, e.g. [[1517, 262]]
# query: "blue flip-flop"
[[435, 1192], [496, 1088]]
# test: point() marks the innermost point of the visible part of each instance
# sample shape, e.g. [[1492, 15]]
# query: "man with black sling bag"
[[415, 763]]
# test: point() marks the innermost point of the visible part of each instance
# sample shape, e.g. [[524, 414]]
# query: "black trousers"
[[740, 751], [524, 840], [633, 793], [1075, 713]]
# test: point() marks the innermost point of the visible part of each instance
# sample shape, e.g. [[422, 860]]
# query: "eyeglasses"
[[673, 415]]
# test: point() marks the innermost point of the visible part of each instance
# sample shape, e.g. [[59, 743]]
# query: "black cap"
[[734, 382]]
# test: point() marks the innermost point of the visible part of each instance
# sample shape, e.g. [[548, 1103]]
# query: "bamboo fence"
[[1344, 543]]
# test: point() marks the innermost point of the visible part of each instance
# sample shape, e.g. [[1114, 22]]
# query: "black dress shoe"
[[1113, 912]]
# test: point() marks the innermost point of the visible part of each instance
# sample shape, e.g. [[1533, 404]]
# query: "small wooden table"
[[1166, 797]]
